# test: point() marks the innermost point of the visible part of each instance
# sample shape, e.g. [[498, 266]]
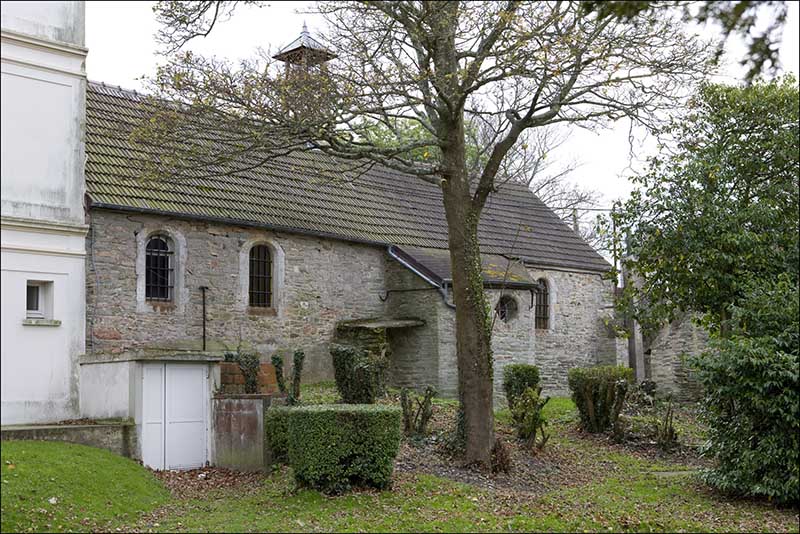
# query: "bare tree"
[[499, 68]]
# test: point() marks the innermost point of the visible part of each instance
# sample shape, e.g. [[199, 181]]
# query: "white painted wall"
[[42, 230], [60, 21], [38, 364], [107, 389], [43, 118]]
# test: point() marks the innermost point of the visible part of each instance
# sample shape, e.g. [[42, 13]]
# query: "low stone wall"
[[239, 431], [119, 438]]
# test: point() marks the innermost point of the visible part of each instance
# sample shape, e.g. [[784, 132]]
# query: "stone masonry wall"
[[321, 283], [414, 358], [324, 281], [667, 359], [512, 342], [580, 305], [577, 336]]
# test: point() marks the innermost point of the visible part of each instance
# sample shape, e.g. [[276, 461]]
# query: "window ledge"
[[161, 306], [41, 322], [264, 312]]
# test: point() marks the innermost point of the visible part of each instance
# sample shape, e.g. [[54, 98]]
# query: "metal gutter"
[[421, 271], [499, 284], [408, 261]]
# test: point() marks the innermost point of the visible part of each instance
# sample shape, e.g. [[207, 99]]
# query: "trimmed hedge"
[[517, 377], [599, 393], [276, 433], [360, 376], [333, 447]]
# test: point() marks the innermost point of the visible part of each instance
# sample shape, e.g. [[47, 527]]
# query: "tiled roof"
[[382, 206], [496, 269]]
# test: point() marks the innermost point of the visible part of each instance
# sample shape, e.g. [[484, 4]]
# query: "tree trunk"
[[473, 324]]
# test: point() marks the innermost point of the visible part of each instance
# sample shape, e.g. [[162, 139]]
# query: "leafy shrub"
[[648, 387], [277, 363], [416, 418], [528, 418], [518, 377], [599, 394], [276, 433], [360, 376], [297, 370], [250, 364], [501, 457], [752, 409], [751, 404], [642, 396], [336, 446]]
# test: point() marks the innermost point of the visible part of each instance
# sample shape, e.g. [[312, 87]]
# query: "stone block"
[[239, 431]]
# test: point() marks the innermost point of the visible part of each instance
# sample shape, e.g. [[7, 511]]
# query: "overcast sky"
[[119, 36]]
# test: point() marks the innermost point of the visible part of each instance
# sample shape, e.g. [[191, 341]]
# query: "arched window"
[[159, 269], [541, 316], [260, 294], [506, 308]]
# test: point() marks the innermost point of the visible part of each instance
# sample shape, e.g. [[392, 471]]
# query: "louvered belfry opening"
[[260, 277], [159, 269]]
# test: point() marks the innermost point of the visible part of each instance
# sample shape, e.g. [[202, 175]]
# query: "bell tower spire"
[[305, 51]]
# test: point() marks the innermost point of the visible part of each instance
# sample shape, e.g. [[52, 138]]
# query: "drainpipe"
[[441, 288], [443, 291], [203, 289]]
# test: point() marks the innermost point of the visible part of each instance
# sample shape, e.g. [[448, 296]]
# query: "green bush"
[[297, 370], [250, 364], [277, 363], [276, 433], [518, 377], [333, 447], [360, 376], [599, 393], [751, 403], [528, 418]]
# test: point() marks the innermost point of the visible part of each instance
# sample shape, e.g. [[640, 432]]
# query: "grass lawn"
[[614, 490], [60, 487], [601, 487]]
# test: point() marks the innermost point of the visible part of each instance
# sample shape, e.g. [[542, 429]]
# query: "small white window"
[[39, 299]]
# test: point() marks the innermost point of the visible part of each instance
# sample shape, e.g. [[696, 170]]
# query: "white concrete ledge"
[[41, 322]]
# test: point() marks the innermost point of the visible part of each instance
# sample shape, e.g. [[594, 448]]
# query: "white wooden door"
[[186, 395], [153, 415], [175, 423]]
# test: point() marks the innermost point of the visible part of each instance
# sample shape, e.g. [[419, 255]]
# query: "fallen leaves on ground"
[[199, 483]]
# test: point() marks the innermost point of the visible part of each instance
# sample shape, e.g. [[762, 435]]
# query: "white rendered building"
[[42, 229]]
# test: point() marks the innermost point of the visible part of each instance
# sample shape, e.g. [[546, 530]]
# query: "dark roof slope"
[[435, 265], [381, 206]]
